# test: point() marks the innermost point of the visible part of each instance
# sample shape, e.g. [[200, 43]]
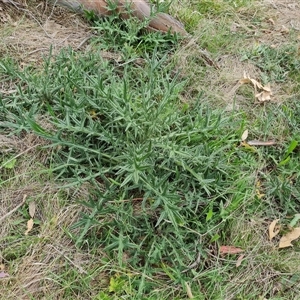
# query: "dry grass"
[[263, 263], [263, 23], [29, 31], [37, 263]]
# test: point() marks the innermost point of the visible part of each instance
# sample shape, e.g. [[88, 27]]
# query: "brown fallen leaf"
[[262, 93], [267, 88], [239, 260], [263, 96], [247, 79], [29, 226], [286, 240], [230, 250], [245, 135], [273, 230], [31, 209]]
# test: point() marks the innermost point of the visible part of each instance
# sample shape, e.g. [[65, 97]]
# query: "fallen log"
[[127, 8]]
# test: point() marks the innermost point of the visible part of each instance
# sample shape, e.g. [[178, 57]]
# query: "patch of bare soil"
[[28, 32]]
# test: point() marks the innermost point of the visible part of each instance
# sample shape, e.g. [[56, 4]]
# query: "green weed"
[[168, 182]]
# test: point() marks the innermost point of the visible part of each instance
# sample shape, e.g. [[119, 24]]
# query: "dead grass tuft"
[[45, 264], [52, 255], [264, 268], [284, 17], [271, 23], [29, 31], [221, 85]]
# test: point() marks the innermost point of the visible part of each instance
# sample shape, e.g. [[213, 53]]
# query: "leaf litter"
[[274, 229], [31, 209], [262, 93], [239, 260], [286, 240], [29, 226]]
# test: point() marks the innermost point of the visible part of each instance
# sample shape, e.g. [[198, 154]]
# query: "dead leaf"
[[31, 209], [3, 274], [256, 84], [262, 93], [286, 240], [245, 135], [29, 226], [230, 250], [263, 96], [239, 260], [272, 231], [267, 88]]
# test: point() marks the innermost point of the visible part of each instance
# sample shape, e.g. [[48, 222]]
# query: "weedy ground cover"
[[132, 168]]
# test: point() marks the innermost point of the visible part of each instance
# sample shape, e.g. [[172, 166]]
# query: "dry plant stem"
[[83, 42], [29, 13], [204, 54], [261, 143], [189, 291], [13, 210]]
